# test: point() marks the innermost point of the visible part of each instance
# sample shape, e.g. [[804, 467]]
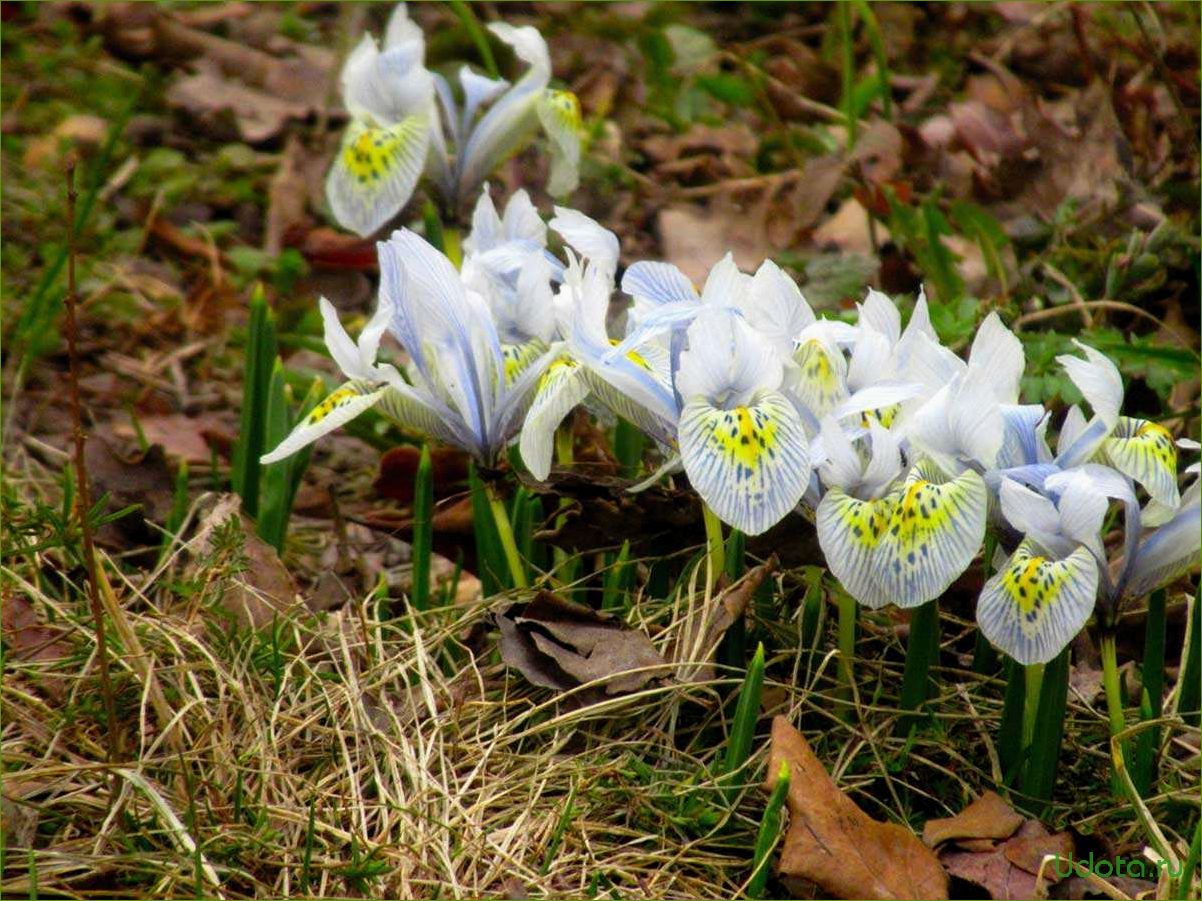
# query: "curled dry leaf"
[[701, 636], [991, 845], [986, 817], [834, 844], [558, 644]]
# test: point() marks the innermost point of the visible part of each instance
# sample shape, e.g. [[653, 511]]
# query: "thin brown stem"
[[83, 492]]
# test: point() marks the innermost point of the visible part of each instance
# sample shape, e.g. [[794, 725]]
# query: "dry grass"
[[353, 754]]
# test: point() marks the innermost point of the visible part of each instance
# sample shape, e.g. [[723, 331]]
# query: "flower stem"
[[715, 546], [1110, 682], [505, 531], [847, 641], [1033, 682]]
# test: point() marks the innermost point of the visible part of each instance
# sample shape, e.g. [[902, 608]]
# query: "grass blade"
[[873, 29], [1189, 698], [423, 530], [617, 580], [769, 831]]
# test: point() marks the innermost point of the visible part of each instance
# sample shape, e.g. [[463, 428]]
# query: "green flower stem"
[[715, 545], [505, 531], [1033, 682], [847, 640], [1110, 682], [453, 246]]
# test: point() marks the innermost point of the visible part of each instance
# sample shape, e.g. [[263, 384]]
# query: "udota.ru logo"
[[1105, 867]]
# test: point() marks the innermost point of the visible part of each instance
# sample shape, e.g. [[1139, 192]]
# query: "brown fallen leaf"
[[695, 238], [558, 644], [30, 640], [988, 817], [847, 230], [701, 637], [130, 478], [261, 587], [286, 197], [208, 95], [834, 844], [1008, 870]]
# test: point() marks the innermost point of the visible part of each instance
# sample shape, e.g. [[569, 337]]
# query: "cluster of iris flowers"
[[902, 455]]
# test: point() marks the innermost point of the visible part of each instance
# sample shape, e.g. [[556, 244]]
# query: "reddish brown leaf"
[[834, 844]]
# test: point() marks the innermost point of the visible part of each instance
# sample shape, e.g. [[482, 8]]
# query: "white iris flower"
[[407, 120], [460, 389]]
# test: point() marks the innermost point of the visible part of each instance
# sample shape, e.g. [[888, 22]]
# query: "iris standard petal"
[[822, 377], [658, 282], [1168, 552], [559, 113], [1034, 606]]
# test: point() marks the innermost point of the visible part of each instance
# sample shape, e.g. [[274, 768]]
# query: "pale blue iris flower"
[[406, 120], [458, 388], [1042, 596], [722, 405]]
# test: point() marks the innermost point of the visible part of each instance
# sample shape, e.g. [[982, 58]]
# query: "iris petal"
[[561, 388], [1145, 452], [338, 408], [849, 533], [375, 171], [751, 463], [934, 532], [1034, 606]]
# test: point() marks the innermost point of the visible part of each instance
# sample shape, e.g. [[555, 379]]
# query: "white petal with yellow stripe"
[[560, 388], [1035, 605], [934, 531], [1145, 452], [849, 533], [376, 170], [751, 463], [559, 113], [338, 408]]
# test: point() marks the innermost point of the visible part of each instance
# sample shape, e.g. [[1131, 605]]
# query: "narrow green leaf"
[[617, 580], [179, 509], [260, 356], [490, 558], [423, 530], [873, 29], [1039, 775], [769, 831], [628, 445], [468, 17], [1147, 742], [922, 650], [1010, 731], [742, 730]]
